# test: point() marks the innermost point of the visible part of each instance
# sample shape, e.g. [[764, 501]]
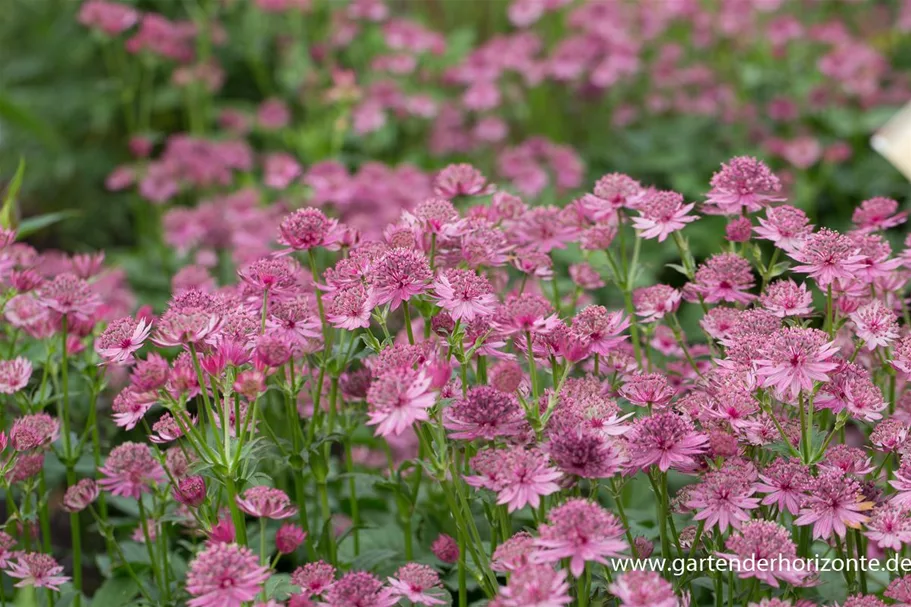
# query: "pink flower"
[[445, 548], [581, 531], [792, 359], [485, 413], [79, 496], [654, 302], [70, 296], [512, 555], [876, 214], [785, 482], [902, 484], [585, 452], [130, 470], [280, 170], [359, 589], [662, 213], [225, 575], [38, 570], [743, 184], [889, 526], [121, 339], [130, 406], [190, 491], [273, 275], [179, 327], [827, 255], [314, 578], [111, 18], [771, 542], [537, 586], [464, 294], [602, 328], [412, 581], [398, 276], [786, 226], [643, 589], [525, 313], [289, 537], [266, 502], [526, 478], [723, 498], [461, 180], [397, 399], [785, 298], [34, 431], [349, 308], [875, 324], [835, 502], [724, 277], [648, 389], [14, 374], [901, 356], [305, 229], [666, 440]]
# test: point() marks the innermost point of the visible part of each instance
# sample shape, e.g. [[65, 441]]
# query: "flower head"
[[445, 548], [525, 313], [38, 570], [305, 229], [314, 578], [130, 470], [878, 213], [785, 482], [512, 555], [359, 589], [71, 296], [225, 575], [289, 537], [485, 413], [786, 226], [412, 582], [785, 298], [724, 277], [397, 399], [835, 502], [723, 498], [743, 184], [875, 324], [654, 302], [121, 339], [461, 180], [464, 294], [130, 407], [79, 496], [792, 359], [666, 440], [643, 589], [889, 526], [398, 276], [34, 431], [266, 502], [662, 213], [827, 255], [536, 586], [772, 543], [14, 374], [581, 531], [648, 389]]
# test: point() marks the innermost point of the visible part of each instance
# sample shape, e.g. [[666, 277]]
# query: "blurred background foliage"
[[61, 108]]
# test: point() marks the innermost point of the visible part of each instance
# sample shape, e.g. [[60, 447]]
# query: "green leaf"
[[8, 213], [33, 224], [115, 591], [369, 559]]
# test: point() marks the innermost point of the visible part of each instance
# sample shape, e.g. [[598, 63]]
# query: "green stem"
[[408, 328], [143, 522], [352, 497]]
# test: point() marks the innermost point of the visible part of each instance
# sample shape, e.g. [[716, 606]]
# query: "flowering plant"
[[346, 383]]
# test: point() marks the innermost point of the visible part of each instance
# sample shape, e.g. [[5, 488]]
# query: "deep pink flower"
[[643, 589], [739, 229], [305, 229], [743, 184], [485, 413], [266, 502], [445, 548], [834, 503], [14, 374], [397, 399], [617, 191], [724, 277], [772, 543], [289, 537], [827, 255], [190, 491], [792, 359], [398, 276], [150, 374], [412, 582], [121, 339], [662, 213], [225, 575], [130, 470], [603, 329], [38, 570], [665, 439], [581, 531], [585, 452], [167, 429]]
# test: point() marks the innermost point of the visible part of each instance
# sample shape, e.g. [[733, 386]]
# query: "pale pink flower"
[[785, 482], [413, 581], [786, 226], [785, 298], [535, 586], [889, 526], [398, 276], [743, 184], [14, 374], [654, 302], [878, 213], [581, 531], [464, 294], [793, 359], [266, 502], [130, 470], [37, 570], [643, 589], [772, 543], [130, 406], [835, 502], [827, 255], [724, 277], [875, 324], [667, 440], [225, 575], [723, 498]]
